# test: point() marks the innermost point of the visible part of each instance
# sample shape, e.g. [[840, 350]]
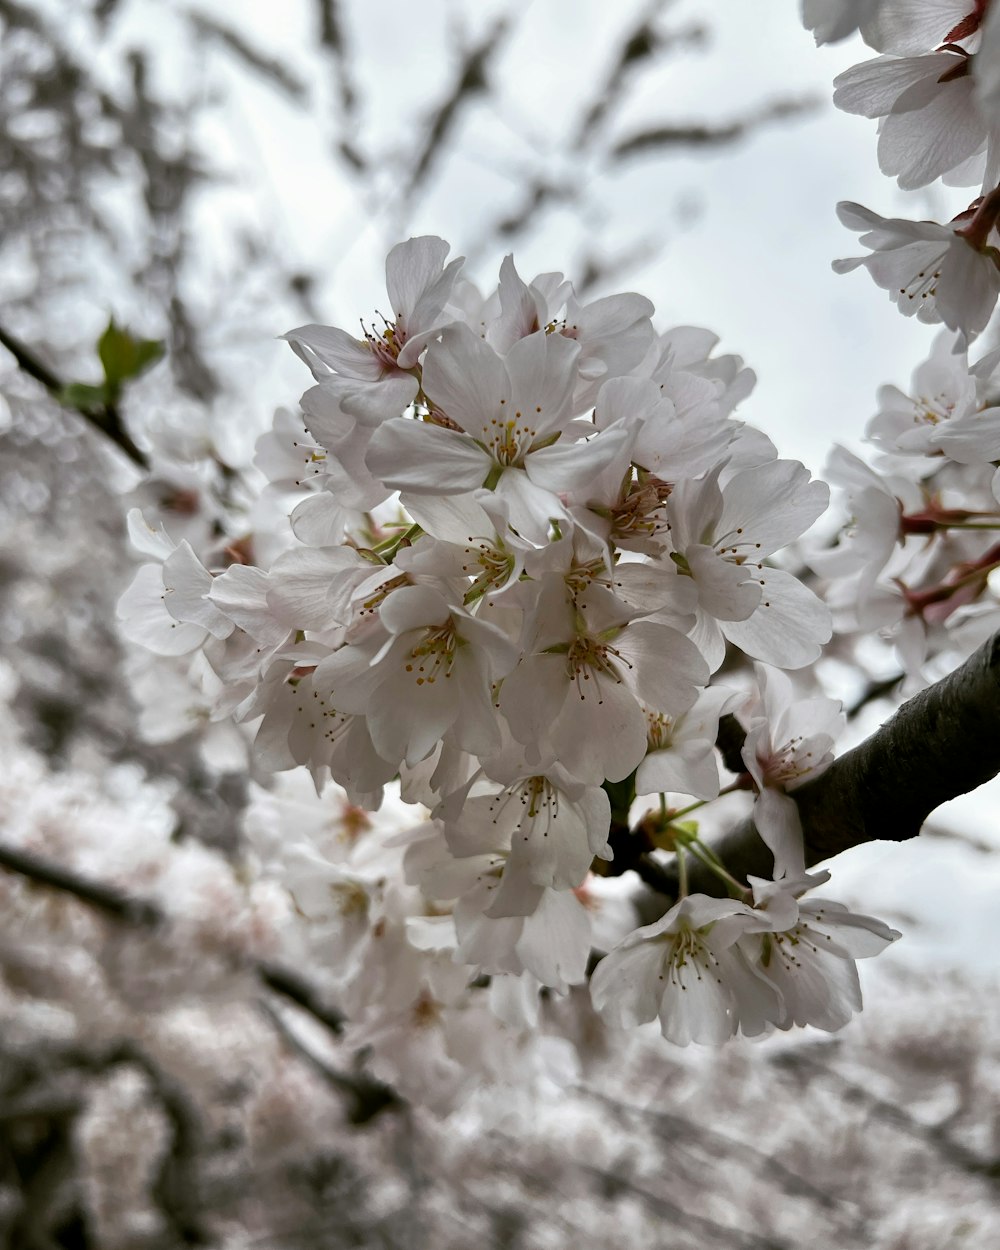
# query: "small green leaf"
[[124, 357], [84, 398]]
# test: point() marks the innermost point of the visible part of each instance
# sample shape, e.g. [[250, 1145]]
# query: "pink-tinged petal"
[[426, 459], [518, 309], [241, 593], [324, 418], [923, 144], [319, 520], [149, 540], [626, 986], [531, 508], [532, 696], [874, 87], [697, 1007], [374, 402], [772, 503], [667, 668], [600, 732], [851, 935], [683, 768], [477, 726], [310, 587], [407, 720], [412, 269]]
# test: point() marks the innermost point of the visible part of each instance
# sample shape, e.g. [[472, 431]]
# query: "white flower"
[[930, 270], [429, 670], [575, 695], [809, 954], [931, 122], [788, 741], [373, 377], [614, 333], [721, 537], [687, 970], [681, 753], [504, 418]]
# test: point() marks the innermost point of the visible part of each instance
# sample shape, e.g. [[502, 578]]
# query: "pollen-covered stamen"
[[923, 285], [509, 438], [559, 325], [540, 801], [690, 958], [736, 548], [788, 762], [489, 565], [585, 574], [641, 511], [588, 658], [374, 601], [387, 343], [659, 730], [932, 409], [434, 655]]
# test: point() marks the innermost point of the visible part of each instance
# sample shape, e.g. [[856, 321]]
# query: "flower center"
[[434, 655]]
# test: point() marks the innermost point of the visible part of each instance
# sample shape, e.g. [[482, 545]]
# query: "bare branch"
[[710, 136], [107, 899]]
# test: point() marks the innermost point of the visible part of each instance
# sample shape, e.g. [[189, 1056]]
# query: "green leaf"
[[124, 357], [84, 398]]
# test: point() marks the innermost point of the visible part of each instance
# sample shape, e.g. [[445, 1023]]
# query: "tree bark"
[[943, 742]]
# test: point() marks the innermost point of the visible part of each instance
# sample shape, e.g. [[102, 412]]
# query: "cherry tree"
[[522, 635]]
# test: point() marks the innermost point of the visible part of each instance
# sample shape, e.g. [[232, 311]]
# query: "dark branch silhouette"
[[943, 742]]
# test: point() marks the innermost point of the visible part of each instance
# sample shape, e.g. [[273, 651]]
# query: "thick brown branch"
[[943, 742]]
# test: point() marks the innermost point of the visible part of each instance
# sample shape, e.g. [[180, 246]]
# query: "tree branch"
[[943, 742], [107, 419], [367, 1095]]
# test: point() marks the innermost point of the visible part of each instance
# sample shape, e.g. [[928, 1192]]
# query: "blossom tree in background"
[[522, 605]]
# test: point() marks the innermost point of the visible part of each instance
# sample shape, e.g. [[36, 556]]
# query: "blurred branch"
[[105, 417], [470, 80], [640, 46], [368, 1096], [950, 1150], [268, 67], [711, 136], [106, 899], [873, 691], [943, 742]]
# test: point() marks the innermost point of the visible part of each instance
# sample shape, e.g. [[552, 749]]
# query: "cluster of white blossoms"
[[527, 532]]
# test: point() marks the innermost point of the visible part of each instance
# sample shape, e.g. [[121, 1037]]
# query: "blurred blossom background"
[[212, 175]]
